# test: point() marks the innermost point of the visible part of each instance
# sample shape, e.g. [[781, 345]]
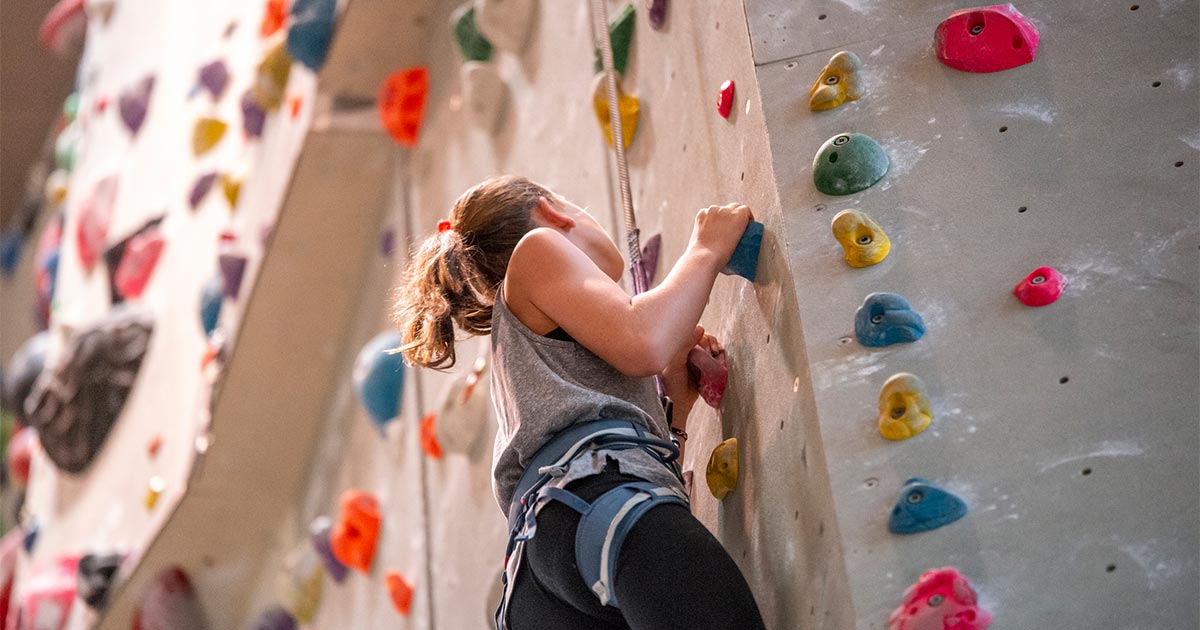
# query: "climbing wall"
[[442, 530], [1069, 430]]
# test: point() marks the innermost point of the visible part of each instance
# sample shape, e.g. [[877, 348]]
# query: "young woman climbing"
[[586, 458]]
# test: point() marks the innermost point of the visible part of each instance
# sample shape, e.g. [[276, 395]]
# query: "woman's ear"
[[553, 216]]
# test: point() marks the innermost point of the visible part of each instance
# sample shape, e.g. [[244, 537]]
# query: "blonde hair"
[[454, 275]]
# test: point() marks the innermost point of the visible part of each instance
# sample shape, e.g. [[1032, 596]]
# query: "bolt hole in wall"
[[1064, 379], [1003, 129], [1110, 568], [819, 207], [1178, 164], [1022, 209], [1086, 472], [822, 16], [1134, 7], [1156, 84]]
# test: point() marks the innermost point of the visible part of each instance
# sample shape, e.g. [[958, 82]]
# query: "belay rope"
[[632, 239]]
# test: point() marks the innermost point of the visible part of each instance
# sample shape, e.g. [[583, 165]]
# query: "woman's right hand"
[[719, 228]]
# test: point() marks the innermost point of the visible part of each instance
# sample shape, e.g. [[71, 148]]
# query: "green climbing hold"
[[848, 163], [620, 33], [471, 43]]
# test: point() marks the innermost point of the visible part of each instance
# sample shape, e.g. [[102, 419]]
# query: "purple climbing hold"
[[275, 618], [657, 10], [232, 263], [134, 102], [650, 251], [319, 531], [253, 116], [200, 189], [388, 243], [214, 77]]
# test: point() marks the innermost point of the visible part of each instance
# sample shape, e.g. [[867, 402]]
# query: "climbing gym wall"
[[1069, 430]]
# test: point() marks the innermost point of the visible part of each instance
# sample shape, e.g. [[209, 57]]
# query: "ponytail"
[[454, 275]]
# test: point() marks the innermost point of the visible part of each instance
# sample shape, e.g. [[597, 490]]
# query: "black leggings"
[[671, 573]]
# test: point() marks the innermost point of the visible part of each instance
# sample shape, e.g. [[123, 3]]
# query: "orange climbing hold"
[[295, 105], [154, 446], [401, 592], [355, 534], [274, 15], [402, 104], [429, 441]]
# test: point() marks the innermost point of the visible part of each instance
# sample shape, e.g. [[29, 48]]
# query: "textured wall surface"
[[1070, 430]]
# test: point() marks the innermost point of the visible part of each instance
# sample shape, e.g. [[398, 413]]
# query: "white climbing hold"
[[484, 94], [505, 22], [464, 411]]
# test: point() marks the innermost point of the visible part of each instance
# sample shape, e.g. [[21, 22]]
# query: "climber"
[[583, 441]]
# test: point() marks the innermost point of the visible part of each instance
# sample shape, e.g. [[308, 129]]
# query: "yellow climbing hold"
[[864, 242], [627, 105], [207, 134], [231, 188], [271, 80], [722, 472], [56, 187], [904, 409], [154, 490], [839, 83], [299, 584]]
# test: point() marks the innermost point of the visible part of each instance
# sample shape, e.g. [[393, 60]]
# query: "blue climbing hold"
[[744, 262], [922, 507], [11, 243], [31, 534], [885, 319], [311, 32], [211, 299], [379, 377]]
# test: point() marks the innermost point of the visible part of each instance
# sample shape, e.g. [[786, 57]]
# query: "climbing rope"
[[636, 269]]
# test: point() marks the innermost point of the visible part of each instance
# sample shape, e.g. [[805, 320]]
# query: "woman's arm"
[[637, 335]]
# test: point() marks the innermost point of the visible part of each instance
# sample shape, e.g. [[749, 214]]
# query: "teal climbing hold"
[[923, 506], [471, 43], [848, 163], [379, 377], [744, 262], [212, 298], [311, 32], [620, 35]]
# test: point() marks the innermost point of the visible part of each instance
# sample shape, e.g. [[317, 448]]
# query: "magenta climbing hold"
[[986, 39], [47, 594], [1042, 286], [133, 103], [657, 10], [213, 77], [200, 189], [941, 599], [138, 262], [170, 603], [95, 213], [710, 373], [725, 99], [64, 24], [232, 263]]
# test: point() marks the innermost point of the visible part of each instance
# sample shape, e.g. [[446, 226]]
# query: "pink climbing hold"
[[94, 215], [940, 600], [232, 264], [47, 594], [725, 99], [1041, 287], [986, 39], [138, 262], [65, 23], [709, 373]]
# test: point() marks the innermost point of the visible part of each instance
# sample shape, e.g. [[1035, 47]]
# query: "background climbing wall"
[[1070, 430], [442, 529]]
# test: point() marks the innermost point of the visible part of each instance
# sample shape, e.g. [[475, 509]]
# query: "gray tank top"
[[542, 385]]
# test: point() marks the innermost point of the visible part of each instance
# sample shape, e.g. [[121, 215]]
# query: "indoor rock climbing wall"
[[441, 529], [1069, 430]]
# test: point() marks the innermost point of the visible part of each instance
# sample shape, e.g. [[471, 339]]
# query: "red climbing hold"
[[429, 441], [141, 256], [1041, 287], [401, 592], [274, 15], [725, 99], [354, 535], [94, 216], [47, 594], [940, 599], [986, 39], [20, 453], [402, 104], [709, 373], [65, 23]]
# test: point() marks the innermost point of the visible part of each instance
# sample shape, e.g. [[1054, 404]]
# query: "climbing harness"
[[605, 522]]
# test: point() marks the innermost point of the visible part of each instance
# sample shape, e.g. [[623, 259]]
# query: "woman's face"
[[590, 237]]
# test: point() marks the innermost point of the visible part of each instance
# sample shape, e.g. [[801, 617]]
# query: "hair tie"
[[443, 225]]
